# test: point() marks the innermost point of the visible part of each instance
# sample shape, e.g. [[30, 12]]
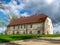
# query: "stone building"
[[36, 24]]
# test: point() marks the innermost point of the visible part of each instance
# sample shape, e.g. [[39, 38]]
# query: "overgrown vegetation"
[[8, 38]]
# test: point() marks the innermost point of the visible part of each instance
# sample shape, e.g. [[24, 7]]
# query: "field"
[[9, 38]]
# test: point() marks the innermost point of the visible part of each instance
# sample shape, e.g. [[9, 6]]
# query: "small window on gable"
[[31, 26], [48, 26], [47, 20]]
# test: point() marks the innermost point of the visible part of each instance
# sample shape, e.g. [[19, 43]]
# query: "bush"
[[22, 37]]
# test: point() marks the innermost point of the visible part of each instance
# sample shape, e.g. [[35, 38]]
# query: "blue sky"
[[7, 1], [31, 7], [2, 17]]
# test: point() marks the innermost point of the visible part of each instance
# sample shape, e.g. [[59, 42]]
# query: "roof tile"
[[27, 20]]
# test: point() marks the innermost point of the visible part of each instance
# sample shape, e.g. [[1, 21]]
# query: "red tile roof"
[[28, 20]]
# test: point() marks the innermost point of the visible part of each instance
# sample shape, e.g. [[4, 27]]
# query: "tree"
[[14, 18], [2, 24]]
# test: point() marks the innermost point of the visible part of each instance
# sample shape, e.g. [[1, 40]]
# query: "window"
[[30, 32], [47, 32], [8, 27], [18, 27], [48, 26], [47, 21], [21, 26], [38, 32], [31, 26], [17, 32], [24, 26], [13, 32], [24, 32], [13, 27]]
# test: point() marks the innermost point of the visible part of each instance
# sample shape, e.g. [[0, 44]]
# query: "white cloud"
[[2, 29], [56, 27], [25, 14], [49, 1], [12, 8], [2, 11]]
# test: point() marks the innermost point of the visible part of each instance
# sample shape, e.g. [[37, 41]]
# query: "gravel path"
[[38, 42]]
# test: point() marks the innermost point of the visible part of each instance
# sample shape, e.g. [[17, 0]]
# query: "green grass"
[[8, 38]]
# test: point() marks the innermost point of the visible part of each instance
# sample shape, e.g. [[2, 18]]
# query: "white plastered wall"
[[48, 27]]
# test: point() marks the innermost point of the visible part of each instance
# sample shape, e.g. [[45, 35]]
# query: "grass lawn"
[[8, 38]]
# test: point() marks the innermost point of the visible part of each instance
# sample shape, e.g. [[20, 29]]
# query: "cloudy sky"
[[8, 8]]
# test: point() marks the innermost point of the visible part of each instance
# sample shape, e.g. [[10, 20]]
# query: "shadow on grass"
[[3, 40], [6, 42], [9, 43]]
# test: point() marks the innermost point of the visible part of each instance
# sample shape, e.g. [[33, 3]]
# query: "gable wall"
[[48, 27]]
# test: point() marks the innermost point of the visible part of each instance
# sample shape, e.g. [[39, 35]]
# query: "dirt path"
[[38, 42], [35, 42]]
